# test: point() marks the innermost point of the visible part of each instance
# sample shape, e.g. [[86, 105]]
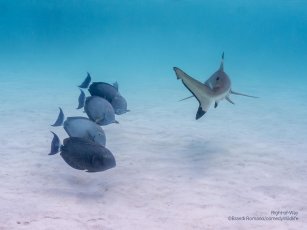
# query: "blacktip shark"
[[215, 89]]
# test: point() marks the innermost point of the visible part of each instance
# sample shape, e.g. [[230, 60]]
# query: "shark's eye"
[[217, 78]]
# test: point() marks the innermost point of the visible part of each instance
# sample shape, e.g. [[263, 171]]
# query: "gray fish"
[[83, 154], [99, 110], [82, 127], [119, 104], [86, 82], [81, 99], [55, 144], [103, 90], [60, 119], [215, 89]]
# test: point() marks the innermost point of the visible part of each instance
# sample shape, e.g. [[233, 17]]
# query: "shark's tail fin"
[[242, 94]]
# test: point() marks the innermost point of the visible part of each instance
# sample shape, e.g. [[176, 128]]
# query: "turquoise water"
[[48, 46]]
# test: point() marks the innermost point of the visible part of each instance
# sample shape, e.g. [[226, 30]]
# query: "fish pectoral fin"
[[90, 137], [199, 113], [242, 94], [97, 120], [230, 101], [186, 98]]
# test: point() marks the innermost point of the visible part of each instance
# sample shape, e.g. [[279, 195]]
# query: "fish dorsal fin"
[[222, 62], [115, 84]]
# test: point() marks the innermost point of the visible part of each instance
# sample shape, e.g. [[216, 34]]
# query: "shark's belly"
[[221, 96]]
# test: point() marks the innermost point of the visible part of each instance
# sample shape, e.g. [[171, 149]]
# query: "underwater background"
[[172, 171]]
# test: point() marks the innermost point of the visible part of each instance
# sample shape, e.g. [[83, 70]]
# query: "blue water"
[[50, 46], [46, 48], [136, 39]]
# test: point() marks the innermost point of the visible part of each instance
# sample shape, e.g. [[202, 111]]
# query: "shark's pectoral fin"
[[228, 99], [198, 89], [186, 98], [200, 113], [242, 94], [216, 104]]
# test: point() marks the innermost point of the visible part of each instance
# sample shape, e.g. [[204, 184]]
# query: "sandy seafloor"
[[172, 172]]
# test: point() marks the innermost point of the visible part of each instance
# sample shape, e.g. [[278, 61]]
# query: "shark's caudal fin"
[[60, 119], [242, 94], [199, 90]]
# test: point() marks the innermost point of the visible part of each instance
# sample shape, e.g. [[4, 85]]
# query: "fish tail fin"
[[81, 99], [55, 144], [59, 121], [86, 81]]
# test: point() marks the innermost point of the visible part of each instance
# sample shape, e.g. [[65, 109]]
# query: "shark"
[[213, 90]]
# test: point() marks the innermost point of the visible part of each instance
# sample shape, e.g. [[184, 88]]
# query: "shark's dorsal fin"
[[222, 62]]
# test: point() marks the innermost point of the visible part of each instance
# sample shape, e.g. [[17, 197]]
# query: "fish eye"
[[217, 78]]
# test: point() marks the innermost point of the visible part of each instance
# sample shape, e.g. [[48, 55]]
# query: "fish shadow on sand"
[[199, 157], [80, 188]]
